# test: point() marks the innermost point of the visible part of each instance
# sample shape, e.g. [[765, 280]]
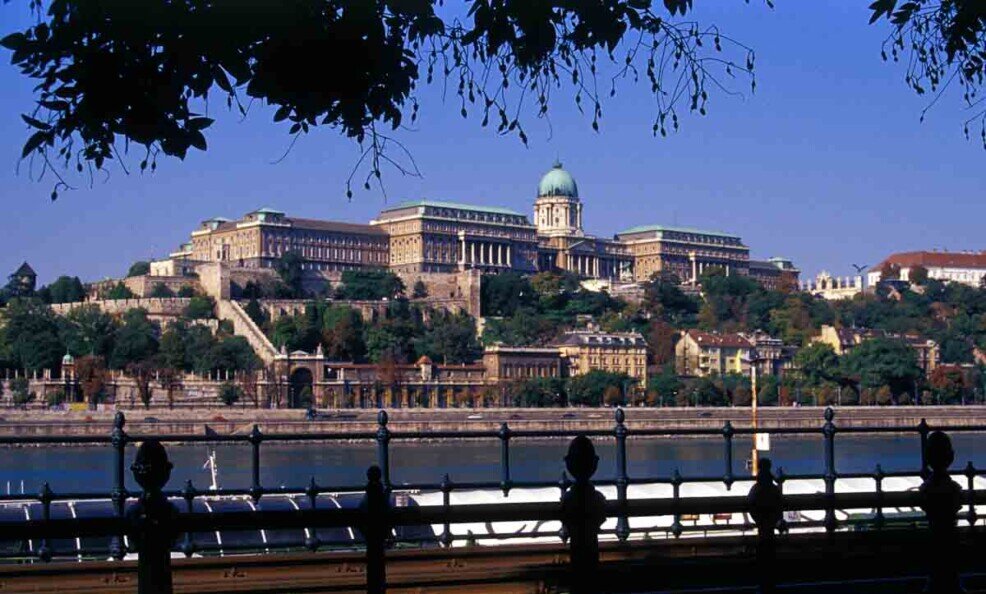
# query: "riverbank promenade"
[[240, 421], [592, 529]]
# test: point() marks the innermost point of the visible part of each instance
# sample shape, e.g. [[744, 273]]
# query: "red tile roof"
[[719, 340], [935, 260]]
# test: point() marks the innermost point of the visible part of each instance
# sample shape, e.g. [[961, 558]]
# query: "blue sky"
[[826, 164]]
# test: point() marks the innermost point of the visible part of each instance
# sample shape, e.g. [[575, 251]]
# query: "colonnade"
[[478, 252], [699, 268]]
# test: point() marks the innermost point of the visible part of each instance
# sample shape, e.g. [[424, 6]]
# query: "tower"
[[557, 209]]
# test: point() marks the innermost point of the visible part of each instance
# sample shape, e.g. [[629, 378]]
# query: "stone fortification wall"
[[158, 309], [144, 284], [454, 292]]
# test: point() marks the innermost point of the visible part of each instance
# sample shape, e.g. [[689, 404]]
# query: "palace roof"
[[719, 340], [935, 260], [662, 228], [455, 205]]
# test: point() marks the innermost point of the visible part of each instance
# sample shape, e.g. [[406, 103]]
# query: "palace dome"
[[558, 182]]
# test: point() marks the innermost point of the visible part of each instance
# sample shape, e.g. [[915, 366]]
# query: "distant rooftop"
[[647, 228], [456, 205]]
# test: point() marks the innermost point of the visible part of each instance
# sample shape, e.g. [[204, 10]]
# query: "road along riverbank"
[[51, 424]]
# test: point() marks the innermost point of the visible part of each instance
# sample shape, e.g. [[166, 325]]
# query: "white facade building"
[[967, 268]]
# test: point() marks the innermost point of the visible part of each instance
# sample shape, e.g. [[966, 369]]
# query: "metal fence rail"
[[149, 524]]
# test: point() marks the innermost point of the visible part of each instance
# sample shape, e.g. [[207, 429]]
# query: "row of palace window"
[[469, 215], [522, 371], [712, 239]]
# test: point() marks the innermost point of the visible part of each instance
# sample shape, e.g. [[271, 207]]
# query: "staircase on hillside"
[[228, 309]]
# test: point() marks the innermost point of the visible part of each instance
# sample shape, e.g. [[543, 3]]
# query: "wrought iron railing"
[[149, 524]]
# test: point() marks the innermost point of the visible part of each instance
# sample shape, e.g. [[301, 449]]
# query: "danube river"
[[283, 464]]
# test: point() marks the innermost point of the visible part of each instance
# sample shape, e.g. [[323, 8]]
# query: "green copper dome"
[[558, 182]]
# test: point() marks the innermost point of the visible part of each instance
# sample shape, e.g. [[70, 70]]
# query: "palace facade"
[[427, 236]]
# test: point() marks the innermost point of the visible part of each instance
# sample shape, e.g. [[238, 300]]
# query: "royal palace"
[[427, 236]]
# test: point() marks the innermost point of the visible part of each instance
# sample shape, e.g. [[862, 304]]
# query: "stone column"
[[510, 261], [472, 252], [463, 251]]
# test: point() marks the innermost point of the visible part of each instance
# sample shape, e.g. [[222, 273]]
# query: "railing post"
[[45, 497], [256, 438], [383, 449], [765, 502], [375, 528], [504, 435], [152, 519], [727, 436], [583, 512], [828, 431], [941, 500], [118, 439], [622, 478]]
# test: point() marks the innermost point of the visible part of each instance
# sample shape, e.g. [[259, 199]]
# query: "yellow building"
[[843, 340], [617, 352], [432, 236], [262, 236], [562, 242], [686, 253], [701, 354], [429, 236]]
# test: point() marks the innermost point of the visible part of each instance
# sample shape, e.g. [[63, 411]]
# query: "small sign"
[[78, 406], [762, 442]]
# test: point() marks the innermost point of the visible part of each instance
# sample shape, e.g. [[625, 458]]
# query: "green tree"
[[198, 349], [218, 53], [884, 362], [420, 291], [342, 334], [817, 363], [171, 351], [119, 291], [88, 330], [160, 290], [289, 268], [664, 386], [185, 292], [29, 337], [504, 294], [139, 268], [370, 285], [589, 388], [92, 374], [66, 289], [234, 354], [136, 340], [450, 338], [200, 307], [768, 390], [256, 313], [664, 298], [383, 343], [20, 391], [918, 275], [538, 392], [230, 394]]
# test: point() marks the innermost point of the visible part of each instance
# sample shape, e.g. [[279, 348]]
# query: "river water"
[[89, 468]]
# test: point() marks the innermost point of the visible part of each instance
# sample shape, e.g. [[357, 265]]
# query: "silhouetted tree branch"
[[941, 43], [115, 73]]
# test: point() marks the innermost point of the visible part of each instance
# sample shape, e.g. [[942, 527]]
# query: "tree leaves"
[[111, 75], [881, 8]]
